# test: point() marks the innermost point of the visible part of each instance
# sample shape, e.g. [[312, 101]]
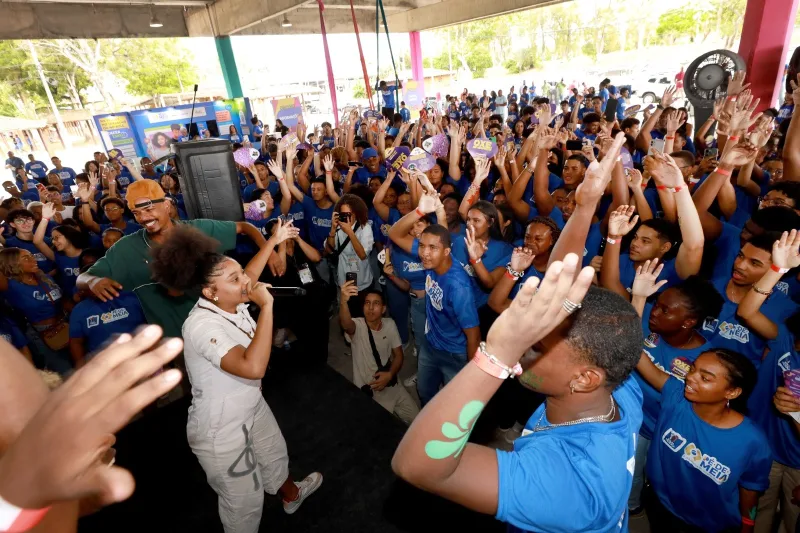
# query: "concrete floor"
[[340, 359]]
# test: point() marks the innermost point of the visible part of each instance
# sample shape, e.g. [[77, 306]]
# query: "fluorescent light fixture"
[[154, 22], [285, 22]]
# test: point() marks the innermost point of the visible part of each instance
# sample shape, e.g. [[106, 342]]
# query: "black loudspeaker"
[[208, 178]]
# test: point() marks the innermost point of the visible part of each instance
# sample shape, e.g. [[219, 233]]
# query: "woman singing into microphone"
[[231, 428]]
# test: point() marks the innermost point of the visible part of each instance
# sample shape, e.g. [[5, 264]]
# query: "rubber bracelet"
[[723, 171], [733, 138], [609, 240], [748, 521], [779, 270], [670, 138], [670, 189], [733, 98], [474, 261], [492, 366], [509, 275], [14, 519], [420, 213]]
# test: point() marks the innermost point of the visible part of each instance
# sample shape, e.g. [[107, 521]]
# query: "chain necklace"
[[250, 334], [599, 418]]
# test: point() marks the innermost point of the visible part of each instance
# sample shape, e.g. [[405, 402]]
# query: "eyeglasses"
[[112, 209], [774, 202], [21, 221]]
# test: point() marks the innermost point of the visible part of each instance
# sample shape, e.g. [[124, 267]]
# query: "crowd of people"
[[643, 294]]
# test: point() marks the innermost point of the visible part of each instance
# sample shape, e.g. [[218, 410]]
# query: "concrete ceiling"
[[54, 19]]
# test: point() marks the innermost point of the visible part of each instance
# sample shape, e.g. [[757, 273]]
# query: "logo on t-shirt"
[[408, 266], [435, 293], [72, 271], [680, 367], [673, 440], [783, 287], [92, 321], [114, 315], [321, 222], [55, 294], [385, 229], [652, 340], [713, 469], [735, 332], [785, 362]]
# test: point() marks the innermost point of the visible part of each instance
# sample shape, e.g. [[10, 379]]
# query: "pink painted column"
[[764, 46], [416, 63]]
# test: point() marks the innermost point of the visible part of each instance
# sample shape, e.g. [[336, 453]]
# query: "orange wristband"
[[723, 171]]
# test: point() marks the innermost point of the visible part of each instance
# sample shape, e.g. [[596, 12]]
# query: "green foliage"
[[359, 91], [479, 60], [677, 23], [151, 66]]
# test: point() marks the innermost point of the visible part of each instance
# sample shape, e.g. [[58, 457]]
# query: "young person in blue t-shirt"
[[37, 168], [11, 333], [35, 296], [387, 95], [673, 340], [93, 322], [66, 174], [23, 221], [452, 328], [67, 243]]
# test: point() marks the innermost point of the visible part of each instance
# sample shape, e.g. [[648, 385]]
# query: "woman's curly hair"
[[186, 260]]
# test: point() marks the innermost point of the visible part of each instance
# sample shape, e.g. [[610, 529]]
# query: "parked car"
[[651, 89]]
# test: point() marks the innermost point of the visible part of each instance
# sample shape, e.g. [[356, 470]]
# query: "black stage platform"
[[329, 426]]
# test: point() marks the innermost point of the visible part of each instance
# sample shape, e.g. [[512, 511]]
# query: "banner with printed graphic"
[[288, 111], [116, 133]]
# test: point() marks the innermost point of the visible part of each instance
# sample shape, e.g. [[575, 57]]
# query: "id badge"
[[305, 274]]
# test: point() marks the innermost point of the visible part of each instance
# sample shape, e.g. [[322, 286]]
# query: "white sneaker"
[[411, 382], [307, 487]]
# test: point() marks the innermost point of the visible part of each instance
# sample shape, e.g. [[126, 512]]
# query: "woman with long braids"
[[231, 429], [708, 461]]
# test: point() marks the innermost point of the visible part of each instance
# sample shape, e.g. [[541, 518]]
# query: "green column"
[[228, 64]]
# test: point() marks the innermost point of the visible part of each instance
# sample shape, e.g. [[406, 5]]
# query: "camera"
[[345, 217]]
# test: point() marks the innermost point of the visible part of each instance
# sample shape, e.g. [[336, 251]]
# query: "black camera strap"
[[377, 357], [345, 242]]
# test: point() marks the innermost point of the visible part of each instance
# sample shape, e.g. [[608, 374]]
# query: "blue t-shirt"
[[778, 427], [405, 113], [593, 241], [273, 187], [727, 332], [696, 469], [388, 96], [362, 175], [37, 168], [45, 265], [380, 227], [67, 176], [530, 273], [727, 246], [498, 254], [571, 478], [318, 222], [408, 266], [670, 359], [627, 272], [68, 270], [449, 309], [604, 95], [35, 302], [10, 333], [97, 321]]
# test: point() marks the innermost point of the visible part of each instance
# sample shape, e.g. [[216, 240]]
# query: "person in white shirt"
[[351, 244], [371, 334], [231, 429], [501, 104]]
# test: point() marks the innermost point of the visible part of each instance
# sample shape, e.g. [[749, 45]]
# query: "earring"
[[216, 299], [571, 388]]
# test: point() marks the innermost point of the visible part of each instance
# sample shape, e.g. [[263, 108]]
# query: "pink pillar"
[[416, 62], [766, 32]]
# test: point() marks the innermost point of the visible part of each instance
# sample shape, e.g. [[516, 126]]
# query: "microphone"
[[191, 119], [287, 291]]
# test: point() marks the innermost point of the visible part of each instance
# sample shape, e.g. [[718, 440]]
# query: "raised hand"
[[719, 104], [291, 152], [482, 166], [283, 232], [259, 294], [275, 169], [428, 202], [535, 313], [786, 250], [675, 120], [739, 155], [588, 151], [745, 114], [82, 416], [328, 163], [48, 210], [665, 171], [622, 221], [598, 175], [634, 179], [644, 284], [475, 248], [737, 84], [669, 96], [500, 157], [521, 259]]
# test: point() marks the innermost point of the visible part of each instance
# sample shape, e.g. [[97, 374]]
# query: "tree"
[[677, 23], [359, 91], [152, 66]]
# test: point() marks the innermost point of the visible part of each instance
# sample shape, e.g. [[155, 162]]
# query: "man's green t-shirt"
[[128, 263]]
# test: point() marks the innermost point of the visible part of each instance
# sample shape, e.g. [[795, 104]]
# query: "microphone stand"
[[191, 119]]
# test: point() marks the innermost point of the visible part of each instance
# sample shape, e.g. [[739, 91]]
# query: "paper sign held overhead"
[[479, 147], [419, 160], [395, 157]]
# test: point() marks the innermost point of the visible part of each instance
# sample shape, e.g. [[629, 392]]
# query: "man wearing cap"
[[372, 167], [126, 265]]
